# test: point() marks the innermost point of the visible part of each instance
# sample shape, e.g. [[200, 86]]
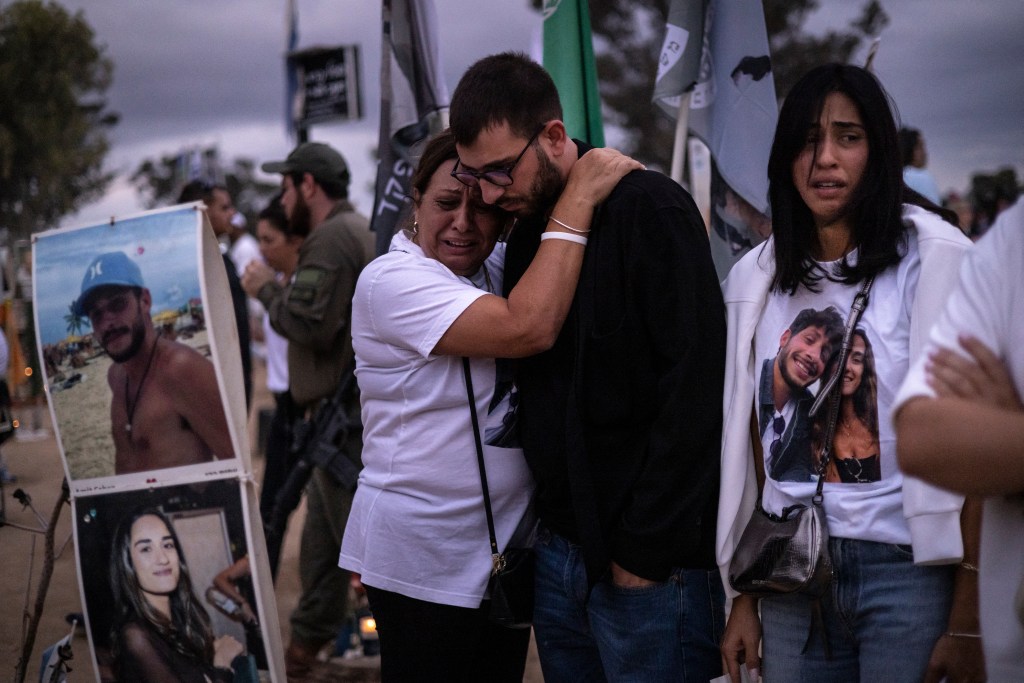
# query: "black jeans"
[[427, 641]]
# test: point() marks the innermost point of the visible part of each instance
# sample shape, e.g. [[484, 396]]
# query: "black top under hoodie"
[[621, 420]]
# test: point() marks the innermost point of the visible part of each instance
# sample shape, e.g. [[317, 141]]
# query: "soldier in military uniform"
[[313, 312]]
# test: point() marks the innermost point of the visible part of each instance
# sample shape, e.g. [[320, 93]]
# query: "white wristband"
[[550, 235]]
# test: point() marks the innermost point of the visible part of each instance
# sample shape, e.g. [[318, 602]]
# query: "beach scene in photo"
[[165, 247], [80, 396]]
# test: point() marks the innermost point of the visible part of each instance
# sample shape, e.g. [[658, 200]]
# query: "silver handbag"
[[778, 555]]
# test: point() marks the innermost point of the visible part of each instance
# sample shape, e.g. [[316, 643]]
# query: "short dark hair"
[[827, 319], [200, 191], [875, 207], [504, 88]]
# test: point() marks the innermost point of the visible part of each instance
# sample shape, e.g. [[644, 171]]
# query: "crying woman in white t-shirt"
[[417, 533]]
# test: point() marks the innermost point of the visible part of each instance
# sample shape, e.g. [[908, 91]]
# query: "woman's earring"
[[415, 227]]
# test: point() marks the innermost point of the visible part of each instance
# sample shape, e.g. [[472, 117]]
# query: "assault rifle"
[[318, 442]]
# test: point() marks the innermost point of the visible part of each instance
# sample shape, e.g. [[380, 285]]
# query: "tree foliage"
[[75, 321], [159, 181], [53, 118], [628, 35], [794, 51]]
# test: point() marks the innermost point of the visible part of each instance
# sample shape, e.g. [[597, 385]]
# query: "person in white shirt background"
[[960, 425]]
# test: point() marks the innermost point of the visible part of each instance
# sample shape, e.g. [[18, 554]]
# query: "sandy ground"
[[35, 460], [83, 414]]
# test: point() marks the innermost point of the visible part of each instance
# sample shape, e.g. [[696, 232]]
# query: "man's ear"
[[555, 138], [145, 298], [784, 339], [308, 186]]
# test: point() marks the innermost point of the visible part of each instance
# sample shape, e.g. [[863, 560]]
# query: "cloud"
[[195, 72]]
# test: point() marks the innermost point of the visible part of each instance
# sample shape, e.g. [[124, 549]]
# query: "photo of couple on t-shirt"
[[792, 439]]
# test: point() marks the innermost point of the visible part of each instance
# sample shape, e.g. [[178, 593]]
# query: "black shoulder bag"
[[511, 582], [780, 555]]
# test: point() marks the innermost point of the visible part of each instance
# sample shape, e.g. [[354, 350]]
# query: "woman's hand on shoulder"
[[741, 641], [596, 173]]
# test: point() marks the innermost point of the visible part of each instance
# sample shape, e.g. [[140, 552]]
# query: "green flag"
[[569, 58]]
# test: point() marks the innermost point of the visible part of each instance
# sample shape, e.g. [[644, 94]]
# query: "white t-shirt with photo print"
[[870, 509]]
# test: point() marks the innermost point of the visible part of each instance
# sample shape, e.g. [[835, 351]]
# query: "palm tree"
[[75, 322]]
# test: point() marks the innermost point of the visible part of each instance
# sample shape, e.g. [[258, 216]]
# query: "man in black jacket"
[[621, 420]]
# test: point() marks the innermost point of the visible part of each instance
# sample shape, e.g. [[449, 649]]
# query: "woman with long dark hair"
[[161, 633], [841, 214], [855, 448]]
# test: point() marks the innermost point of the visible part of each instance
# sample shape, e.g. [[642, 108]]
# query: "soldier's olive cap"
[[322, 161]]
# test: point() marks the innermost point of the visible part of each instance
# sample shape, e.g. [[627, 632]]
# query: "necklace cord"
[[130, 407]]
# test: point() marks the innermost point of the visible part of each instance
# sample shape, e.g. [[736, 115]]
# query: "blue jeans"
[[882, 617], [666, 632]]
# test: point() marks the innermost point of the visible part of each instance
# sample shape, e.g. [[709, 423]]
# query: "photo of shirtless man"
[[166, 409]]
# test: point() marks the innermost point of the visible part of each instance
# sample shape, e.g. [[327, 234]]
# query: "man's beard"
[[791, 381], [544, 191], [138, 335], [299, 221]]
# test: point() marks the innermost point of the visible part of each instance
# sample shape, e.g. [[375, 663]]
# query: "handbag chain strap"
[[497, 559], [831, 389]]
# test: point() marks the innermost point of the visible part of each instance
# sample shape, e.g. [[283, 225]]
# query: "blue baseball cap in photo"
[[112, 268]]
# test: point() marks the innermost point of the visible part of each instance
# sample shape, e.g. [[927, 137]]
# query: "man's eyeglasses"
[[502, 177], [114, 305]]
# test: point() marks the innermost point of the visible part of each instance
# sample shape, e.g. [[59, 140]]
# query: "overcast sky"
[[194, 72]]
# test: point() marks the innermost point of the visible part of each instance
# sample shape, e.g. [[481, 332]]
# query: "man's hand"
[[982, 377], [625, 579], [255, 276]]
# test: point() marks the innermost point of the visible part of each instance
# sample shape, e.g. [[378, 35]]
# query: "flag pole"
[[679, 146], [869, 62]]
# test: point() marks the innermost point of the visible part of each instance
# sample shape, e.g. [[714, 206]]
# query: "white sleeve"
[[975, 307], [410, 302]]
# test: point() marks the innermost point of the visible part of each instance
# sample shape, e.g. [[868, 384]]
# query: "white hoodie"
[[933, 515]]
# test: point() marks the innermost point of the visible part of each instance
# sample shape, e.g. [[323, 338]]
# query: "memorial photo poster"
[[139, 351], [168, 584], [140, 357]]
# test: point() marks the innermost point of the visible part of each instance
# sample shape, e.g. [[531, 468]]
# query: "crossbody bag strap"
[[831, 390], [497, 561]]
